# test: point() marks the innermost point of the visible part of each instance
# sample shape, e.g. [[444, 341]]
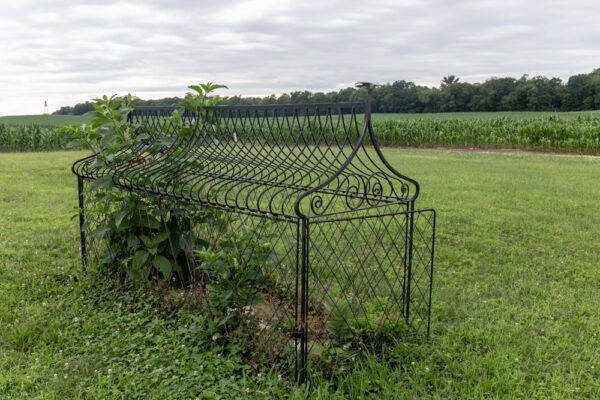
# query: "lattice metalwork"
[[350, 259]]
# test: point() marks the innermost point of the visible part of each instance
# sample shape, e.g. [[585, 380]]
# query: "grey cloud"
[[71, 52]]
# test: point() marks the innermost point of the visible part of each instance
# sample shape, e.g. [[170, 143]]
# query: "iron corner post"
[[431, 274], [81, 224], [411, 226]]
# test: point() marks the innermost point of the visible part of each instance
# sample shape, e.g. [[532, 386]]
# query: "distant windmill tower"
[[46, 112]]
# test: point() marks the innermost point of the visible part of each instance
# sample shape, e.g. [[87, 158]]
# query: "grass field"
[[45, 120], [515, 295]]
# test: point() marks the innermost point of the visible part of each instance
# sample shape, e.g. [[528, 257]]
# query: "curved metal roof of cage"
[[297, 160]]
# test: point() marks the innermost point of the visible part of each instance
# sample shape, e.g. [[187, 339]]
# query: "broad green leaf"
[[108, 140], [186, 132], [196, 88], [315, 349], [108, 257], [255, 300], [226, 296], [132, 241], [75, 143], [119, 218], [147, 241], [152, 223], [163, 265], [99, 232], [140, 258], [161, 237], [105, 182], [209, 87]]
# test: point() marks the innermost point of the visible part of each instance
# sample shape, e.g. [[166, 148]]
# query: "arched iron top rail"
[[297, 160]]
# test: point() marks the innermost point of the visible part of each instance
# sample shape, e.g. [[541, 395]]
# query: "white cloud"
[[68, 52]]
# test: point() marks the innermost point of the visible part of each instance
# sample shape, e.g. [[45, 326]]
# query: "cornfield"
[[31, 138], [550, 133], [545, 133]]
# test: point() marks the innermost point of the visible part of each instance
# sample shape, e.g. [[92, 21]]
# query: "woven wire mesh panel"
[[421, 273], [369, 279]]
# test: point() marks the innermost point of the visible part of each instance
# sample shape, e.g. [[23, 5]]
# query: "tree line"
[[580, 92]]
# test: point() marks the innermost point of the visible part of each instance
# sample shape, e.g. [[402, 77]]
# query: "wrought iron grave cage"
[[348, 256]]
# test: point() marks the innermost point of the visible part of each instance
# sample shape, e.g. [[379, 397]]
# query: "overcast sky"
[[67, 52]]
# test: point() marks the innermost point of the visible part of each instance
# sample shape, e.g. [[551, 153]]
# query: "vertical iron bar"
[[410, 256], [306, 296], [297, 299], [405, 258], [304, 303], [81, 223]]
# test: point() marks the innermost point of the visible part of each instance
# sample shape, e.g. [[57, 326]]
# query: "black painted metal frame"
[[316, 166]]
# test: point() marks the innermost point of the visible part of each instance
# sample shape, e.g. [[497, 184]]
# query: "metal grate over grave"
[[349, 259]]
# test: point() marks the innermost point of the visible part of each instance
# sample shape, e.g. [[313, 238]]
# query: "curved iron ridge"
[[392, 169], [360, 143], [337, 173], [352, 165]]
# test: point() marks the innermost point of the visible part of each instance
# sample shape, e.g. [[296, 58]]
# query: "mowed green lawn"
[[515, 308]]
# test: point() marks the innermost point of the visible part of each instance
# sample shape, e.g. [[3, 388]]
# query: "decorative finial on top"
[[367, 85]]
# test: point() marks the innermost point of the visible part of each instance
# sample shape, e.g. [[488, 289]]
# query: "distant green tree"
[[284, 99], [519, 98], [593, 100], [493, 91], [299, 97], [272, 99], [448, 80], [580, 92], [359, 95], [318, 97], [428, 100], [456, 96], [344, 94], [64, 110]]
